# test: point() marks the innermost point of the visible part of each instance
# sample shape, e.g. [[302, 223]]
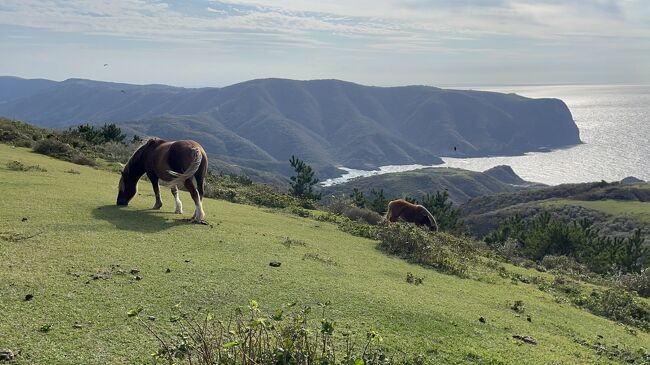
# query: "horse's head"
[[126, 190]]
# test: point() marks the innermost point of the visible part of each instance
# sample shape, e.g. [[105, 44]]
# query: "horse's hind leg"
[[177, 200], [199, 215], [156, 189]]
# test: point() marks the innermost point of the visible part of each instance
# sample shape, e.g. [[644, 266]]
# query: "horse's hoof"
[[178, 212]]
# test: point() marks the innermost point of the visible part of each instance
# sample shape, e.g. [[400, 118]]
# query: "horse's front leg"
[[156, 189]]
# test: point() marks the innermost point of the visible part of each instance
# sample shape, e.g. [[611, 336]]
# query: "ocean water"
[[614, 123]]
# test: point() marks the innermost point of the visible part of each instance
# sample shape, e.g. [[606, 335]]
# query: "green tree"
[[302, 184], [112, 133], [443, 210], [632, 253], [378, 201], [410, 199], [357, 198], [136, 139], [91, 134]]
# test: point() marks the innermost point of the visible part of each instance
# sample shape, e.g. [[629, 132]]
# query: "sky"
[[375, 42]]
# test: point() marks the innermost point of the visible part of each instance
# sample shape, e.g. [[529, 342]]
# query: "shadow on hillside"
[[146, 220]]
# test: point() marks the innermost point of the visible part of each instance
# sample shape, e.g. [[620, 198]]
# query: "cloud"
[[318, 23], [339, 37]]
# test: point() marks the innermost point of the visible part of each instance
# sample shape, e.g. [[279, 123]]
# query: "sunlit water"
[[614, 123]]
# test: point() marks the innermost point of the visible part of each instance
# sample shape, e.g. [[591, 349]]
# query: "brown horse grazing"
[[412, 213], [172, 163]]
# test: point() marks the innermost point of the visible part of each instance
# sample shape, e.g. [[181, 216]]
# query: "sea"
[[614, 124]]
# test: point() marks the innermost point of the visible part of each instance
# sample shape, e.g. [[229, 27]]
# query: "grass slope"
[[81, 233]]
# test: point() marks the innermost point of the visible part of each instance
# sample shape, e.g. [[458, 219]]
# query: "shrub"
[[81, 159], [441, 251], [348, 209], [300, 212], [618, 305], [509, 249], [240, 189], [19, 166], [563, 263], [114, 151], [361, 215], [19, 134], [53, 147], [638, 282]]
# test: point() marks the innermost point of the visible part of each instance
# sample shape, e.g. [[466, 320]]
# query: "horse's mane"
[[137, 154]]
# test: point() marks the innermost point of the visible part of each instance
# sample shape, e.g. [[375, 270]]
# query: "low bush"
[[115, 151], [362, 215], [564, 264], [240, 189], [444, 252], [54, 148], [638, 282], [349, 209], [618, 305], [19, 166], [81, 159], [19, 134]]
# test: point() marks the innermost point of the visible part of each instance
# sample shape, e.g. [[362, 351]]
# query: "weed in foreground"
[[289, 336]]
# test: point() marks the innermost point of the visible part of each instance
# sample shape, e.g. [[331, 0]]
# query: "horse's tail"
[[179, 178], [432, 219]]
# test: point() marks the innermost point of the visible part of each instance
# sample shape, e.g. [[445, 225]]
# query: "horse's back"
[[396, 209], [173, 155]]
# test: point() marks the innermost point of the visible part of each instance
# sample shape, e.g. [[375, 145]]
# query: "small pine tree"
[[443, 209], [410, 199], [302, 184], [357, 198], [136, 139], [112, 132], [90, 134], [632, 253], [378, 201]]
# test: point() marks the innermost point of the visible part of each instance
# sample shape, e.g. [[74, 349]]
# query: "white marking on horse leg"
[[199, 214], [177, 200]]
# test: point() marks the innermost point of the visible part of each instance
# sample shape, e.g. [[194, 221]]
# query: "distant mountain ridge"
[[328, 123]]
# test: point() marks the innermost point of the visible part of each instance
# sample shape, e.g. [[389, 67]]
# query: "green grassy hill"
[[636, 210], [614, 208], [462, 185], [63, 240]]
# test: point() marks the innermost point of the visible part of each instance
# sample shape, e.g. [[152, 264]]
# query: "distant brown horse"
[[172, 163], [412, 213]]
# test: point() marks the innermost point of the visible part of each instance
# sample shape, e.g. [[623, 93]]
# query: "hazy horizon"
[[385, 43], [484, 87]]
